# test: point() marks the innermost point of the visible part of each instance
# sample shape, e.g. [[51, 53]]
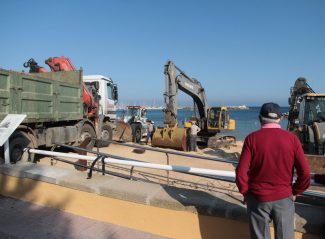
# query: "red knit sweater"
[[266, 167]]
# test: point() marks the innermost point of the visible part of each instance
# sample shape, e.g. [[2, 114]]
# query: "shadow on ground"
[[18, 217], [217, 217]]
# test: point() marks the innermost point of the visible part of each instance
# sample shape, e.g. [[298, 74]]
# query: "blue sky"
[[242, 52]]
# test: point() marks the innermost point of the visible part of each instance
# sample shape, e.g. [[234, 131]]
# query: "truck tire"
[[18, 141], [137, 134], [87, 131], [105, 137]]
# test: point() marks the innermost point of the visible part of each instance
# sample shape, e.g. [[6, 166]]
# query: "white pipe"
[[176, 168]]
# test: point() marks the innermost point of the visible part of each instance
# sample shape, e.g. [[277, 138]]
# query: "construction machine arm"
[[90, 93], [300, 88], [176, 79]]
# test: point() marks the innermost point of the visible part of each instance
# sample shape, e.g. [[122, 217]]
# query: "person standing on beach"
[[150, 131], [194, 130], [264, 176]]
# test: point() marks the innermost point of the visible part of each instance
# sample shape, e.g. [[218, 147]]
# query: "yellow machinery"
[[307, 117], [307, 120], [211, 120]]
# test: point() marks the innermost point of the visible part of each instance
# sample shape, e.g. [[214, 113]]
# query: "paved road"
[[23, 220]]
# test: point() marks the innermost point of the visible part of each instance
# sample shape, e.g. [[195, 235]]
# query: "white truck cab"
[[108, 95]]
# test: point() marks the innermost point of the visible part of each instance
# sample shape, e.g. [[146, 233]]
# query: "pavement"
[[21, 219]]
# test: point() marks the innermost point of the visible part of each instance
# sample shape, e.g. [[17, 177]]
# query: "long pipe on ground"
[[176, 168], [183, 169], [230, 175]]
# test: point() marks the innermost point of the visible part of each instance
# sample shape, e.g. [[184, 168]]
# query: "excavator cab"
[[219, 119], [310, 124]]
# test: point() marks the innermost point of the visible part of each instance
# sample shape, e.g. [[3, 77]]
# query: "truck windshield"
[[315, 109], [133, 112]]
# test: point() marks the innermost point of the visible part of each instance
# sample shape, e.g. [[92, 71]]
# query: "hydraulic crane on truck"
[[61, 106], [90, 98], [211, 120]]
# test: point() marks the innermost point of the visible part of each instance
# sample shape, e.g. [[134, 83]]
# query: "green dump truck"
[[53, 103]]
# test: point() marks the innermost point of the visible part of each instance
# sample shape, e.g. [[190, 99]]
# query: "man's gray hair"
[[268, 120]]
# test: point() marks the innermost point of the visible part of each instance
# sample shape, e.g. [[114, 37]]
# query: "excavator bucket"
[[174, 138], [122, 132]]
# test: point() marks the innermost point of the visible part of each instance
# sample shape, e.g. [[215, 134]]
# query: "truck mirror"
[[116, 96], [115, 92]]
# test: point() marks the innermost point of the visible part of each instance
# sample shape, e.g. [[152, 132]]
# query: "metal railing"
[[104, 158]]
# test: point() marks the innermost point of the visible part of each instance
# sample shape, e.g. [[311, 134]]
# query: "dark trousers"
[[193, 143], [260, 214], [149, 136]]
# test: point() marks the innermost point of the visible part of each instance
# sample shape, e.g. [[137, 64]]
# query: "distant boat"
[[239, 107]]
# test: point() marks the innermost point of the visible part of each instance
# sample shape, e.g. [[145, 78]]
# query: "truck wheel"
[[106, 136], [87, 132], [17, 142], [137, 134]]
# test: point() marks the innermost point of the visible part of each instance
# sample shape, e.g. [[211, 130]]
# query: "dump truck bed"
[[43, 97]]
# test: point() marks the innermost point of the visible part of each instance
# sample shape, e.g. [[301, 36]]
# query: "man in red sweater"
[[265, 173]]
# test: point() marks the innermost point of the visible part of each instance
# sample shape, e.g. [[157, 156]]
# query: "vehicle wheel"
[[137, 134], [87, 132], [106, 136], [17, 143]]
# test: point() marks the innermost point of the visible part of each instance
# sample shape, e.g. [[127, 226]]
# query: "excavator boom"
[[176, 79], [210, 119]]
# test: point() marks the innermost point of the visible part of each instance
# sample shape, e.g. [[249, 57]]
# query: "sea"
[[246, 120]]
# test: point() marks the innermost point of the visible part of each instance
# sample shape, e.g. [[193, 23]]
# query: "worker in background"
[[150, 131], [265, 172], [193, 137]]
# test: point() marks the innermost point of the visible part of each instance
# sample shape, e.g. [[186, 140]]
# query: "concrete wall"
[[161, 210]]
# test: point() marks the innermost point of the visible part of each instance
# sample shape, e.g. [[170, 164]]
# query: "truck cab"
[[108, 94]]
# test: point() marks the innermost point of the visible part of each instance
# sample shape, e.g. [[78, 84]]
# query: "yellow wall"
[[159, 221]]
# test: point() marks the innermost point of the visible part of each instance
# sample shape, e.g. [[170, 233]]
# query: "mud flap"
[[82, 162]]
